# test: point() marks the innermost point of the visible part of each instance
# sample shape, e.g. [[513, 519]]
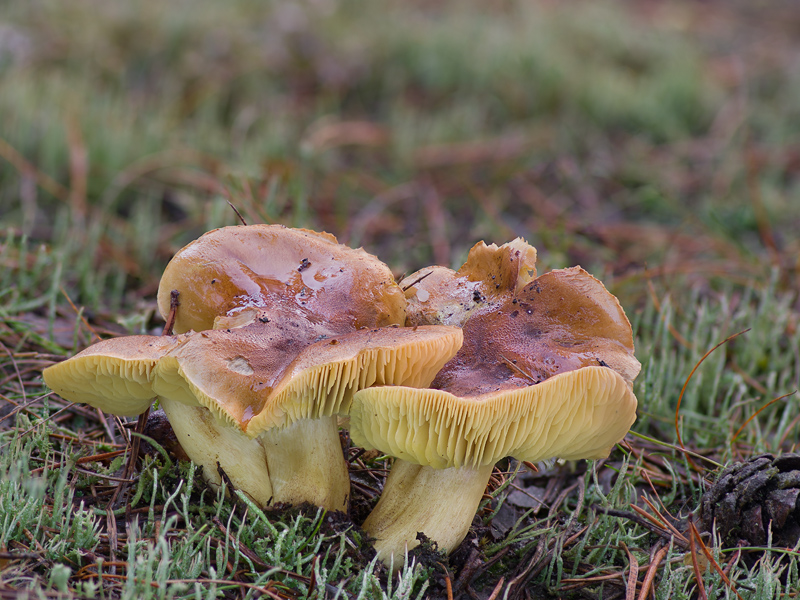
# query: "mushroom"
[[295, 315], [242, 401], [545, 371]]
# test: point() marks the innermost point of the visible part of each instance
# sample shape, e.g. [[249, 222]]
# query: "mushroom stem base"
[[306, 463], [220, 448], [438, 502]]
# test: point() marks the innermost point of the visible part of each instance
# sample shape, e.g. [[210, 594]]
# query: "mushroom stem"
[[306, 463], [438, 502], [217, 448]]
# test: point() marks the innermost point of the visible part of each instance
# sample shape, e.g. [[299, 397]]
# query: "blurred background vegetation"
[[647, 140]]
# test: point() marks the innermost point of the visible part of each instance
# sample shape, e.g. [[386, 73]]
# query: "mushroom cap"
[[232, 268], [113, 375], [266, 374], [491, 274], [546, 370], [257, 377], [579, 414], [561, 321]]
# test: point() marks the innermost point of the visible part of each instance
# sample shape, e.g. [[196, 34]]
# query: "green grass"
[[653, 148], [181, 541]]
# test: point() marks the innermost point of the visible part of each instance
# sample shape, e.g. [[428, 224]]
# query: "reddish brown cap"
[[259, 376], [561, 321], [230, 269]]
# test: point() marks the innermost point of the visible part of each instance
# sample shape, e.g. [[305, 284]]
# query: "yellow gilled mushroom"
[[244, 401], [545, 371], [301, 322]]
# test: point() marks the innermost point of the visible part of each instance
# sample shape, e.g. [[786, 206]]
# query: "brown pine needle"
[[82, 460], [754, 415], [651, 573], [659, 523], [511, 365], [686, 384], [667, 524], [416, 281], [701, 588], [449, 585], [649, 481], [633, 574], [496, 591], [649, 517], [236, 210]]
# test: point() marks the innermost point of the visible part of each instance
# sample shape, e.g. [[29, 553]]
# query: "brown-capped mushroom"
[[300, 324], [234, 276], [238, 402], [545, 371]]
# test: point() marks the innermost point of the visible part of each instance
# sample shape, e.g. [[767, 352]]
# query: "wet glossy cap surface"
[[258, 377], [232, 268]]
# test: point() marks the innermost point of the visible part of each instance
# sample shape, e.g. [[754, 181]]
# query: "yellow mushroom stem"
[[301, 463], [218, 447], [439, 502], [306, 463], [573, 415]]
